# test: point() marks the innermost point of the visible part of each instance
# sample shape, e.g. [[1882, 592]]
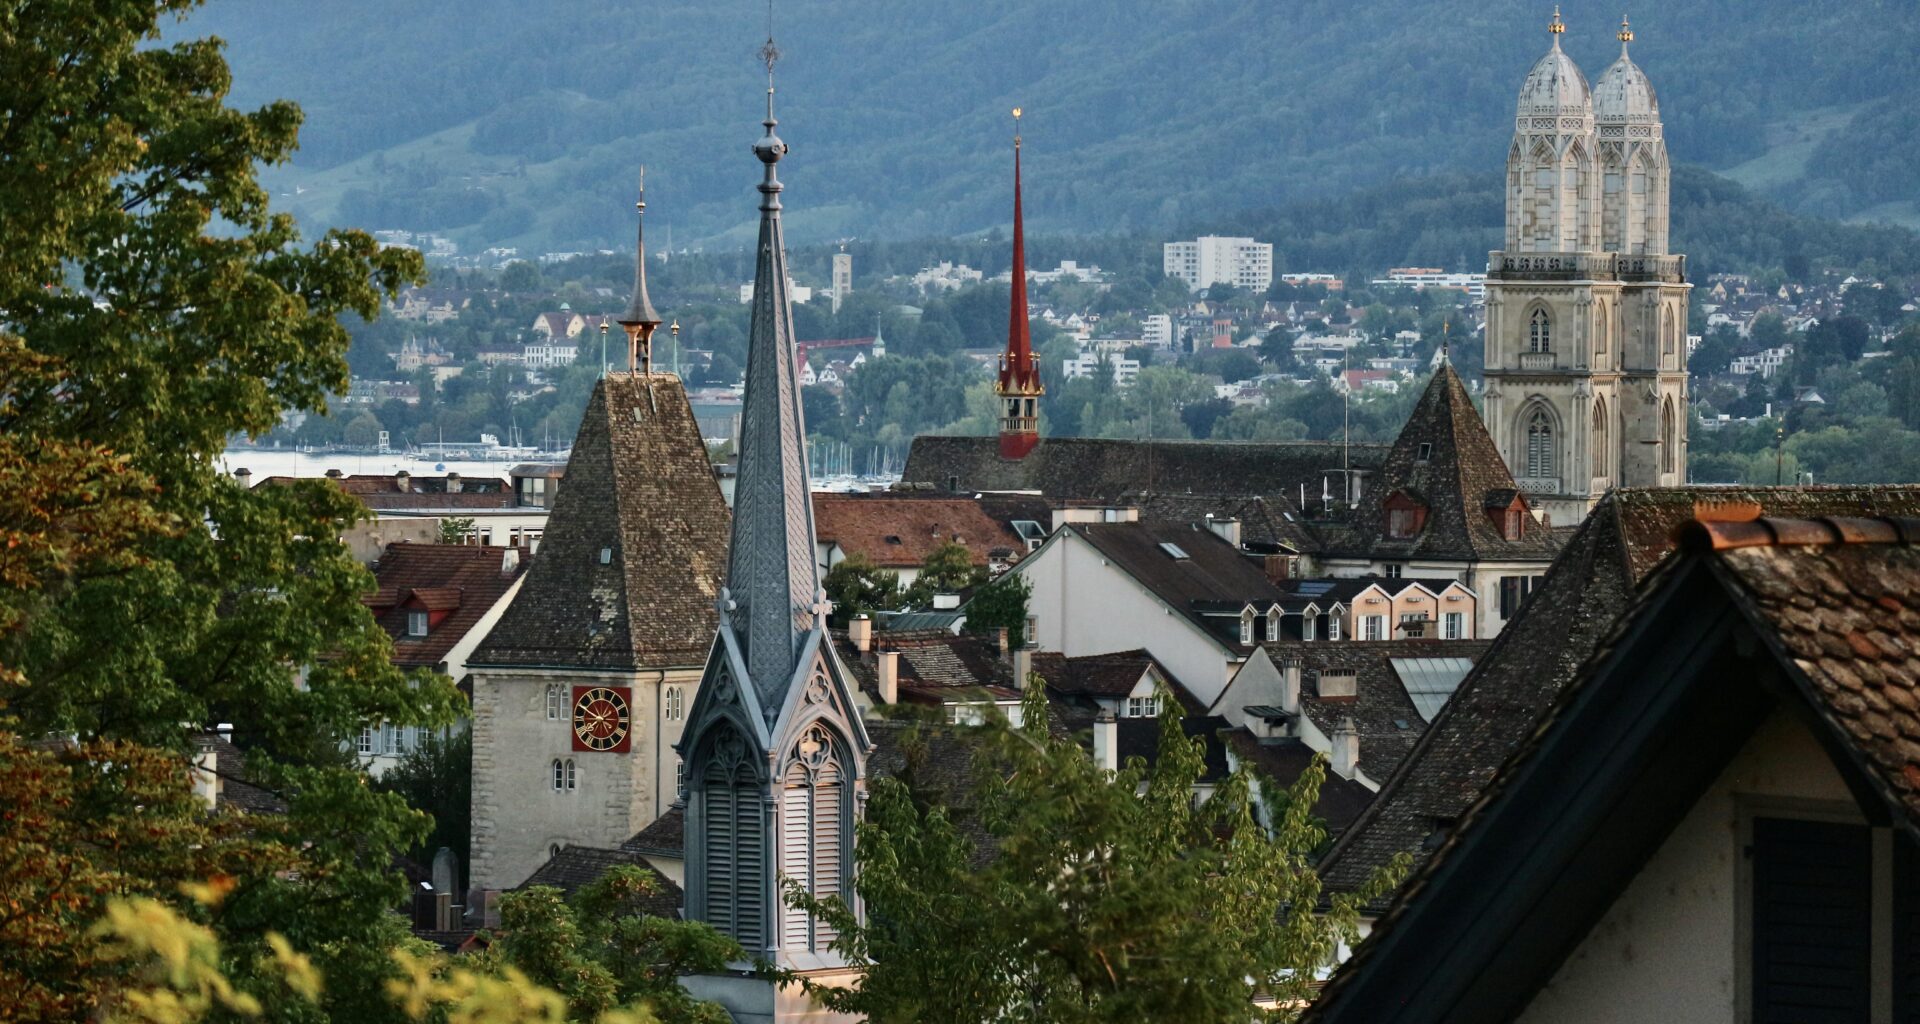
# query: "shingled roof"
[[1381, 710], [1209, 574], [464, 581], [900, 531], [635, 546], [1103, 469], [577, 866], [1570, 612], [1445, 460]]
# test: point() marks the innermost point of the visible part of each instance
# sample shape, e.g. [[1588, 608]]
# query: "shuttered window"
[[734, 844], [1812, 922], [813, 823]]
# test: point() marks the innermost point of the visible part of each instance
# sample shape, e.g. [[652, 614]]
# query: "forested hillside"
[[524, 124]]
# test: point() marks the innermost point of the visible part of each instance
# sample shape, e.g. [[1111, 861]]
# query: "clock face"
[[602, 718]]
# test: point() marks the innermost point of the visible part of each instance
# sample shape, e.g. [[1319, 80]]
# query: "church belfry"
[[775, 750], [1019, 387], [1586, 310]]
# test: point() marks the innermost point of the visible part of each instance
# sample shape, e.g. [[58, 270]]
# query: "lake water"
[[264, 462]]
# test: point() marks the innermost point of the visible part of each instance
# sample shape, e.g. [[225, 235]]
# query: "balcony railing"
[[1539, 484], [1577, 266], [1536, 361]]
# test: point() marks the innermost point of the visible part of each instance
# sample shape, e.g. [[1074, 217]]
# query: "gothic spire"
[[772, 580], [1019, 371], [640, 320]]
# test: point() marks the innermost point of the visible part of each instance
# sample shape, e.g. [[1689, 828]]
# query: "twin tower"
[[1586, 347]]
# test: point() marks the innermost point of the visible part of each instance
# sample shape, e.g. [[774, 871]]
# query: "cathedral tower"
[[1586, 310], [775, 750], [1019, 387]]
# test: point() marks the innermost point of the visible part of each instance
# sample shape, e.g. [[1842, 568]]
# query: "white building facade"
[[1213, 259]]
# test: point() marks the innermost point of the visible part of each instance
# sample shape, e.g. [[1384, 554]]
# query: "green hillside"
[[517, 123]]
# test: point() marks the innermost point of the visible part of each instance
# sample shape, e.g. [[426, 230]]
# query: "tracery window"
[[1540, 332], [1669, 440], [1601, 446]]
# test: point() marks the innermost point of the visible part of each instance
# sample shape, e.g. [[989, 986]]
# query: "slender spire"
[[1020, 387], [640, 320], [773, 583]]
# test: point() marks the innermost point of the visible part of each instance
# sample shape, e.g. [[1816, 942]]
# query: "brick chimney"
[[1106, 741], [245, 476], [1345, 758], [888, 665], [860, 631], [453, 483]]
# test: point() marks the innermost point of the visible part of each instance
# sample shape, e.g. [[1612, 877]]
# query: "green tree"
[[521, 276], [1001, 604], [456, 529], [1098, 896], [948, 569], [856, 586], [155, 307], [436, 776]]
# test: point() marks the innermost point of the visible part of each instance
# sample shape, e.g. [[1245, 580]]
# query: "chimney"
[[888, 663], [245, 476], [1290, 685], [403, 482], [510, 562], [453, 483], [1345, 759], [1000, 635], [1228, 529], [1279, 568], [860, 631], [442, 911], [945, 602], [206, 784], [334, 474], [1022, 665], [1106, 741], [1337, 683]]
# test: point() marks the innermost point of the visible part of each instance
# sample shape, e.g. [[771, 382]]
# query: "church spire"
[[1020, 388], [771, 577], [640, 320]]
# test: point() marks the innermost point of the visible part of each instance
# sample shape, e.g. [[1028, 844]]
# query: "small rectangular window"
[[416, 623], [1455, 621], [1333, 627], [1246, 629], [365, 742], [1376, 626], [1393, 571], [1425, 453]]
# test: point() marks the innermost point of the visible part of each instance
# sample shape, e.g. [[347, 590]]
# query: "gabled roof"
[[465, 581], [1104, 469], [639, 488], [1384, 713], [577, 866], [935, 665], [1108, 676], [900, 531], [1283, 760], [1208, 573], [1813, 615], [1588, 587], [1459, 478]]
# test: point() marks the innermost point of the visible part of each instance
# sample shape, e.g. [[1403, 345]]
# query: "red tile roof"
[[464, 581], [900, 532]]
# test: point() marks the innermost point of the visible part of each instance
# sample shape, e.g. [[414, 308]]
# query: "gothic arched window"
[[814, 827], [1540, 332], [556, 701], [733, 839], [1601, 448], [1539, 435], [1669, 439]]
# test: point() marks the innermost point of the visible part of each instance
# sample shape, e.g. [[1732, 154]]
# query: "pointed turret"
[[1019, 388], [640, 320]]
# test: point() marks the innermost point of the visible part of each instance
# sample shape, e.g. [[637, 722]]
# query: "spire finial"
[[1625, 35], [1446, 341], [640, 320], [770, 149], [1016, 127], [1556, 27]]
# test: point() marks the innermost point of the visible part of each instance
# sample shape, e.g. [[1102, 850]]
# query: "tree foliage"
[[1098, 898], [856, 586]]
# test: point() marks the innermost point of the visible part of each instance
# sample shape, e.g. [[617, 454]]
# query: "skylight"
[[1173, 550]]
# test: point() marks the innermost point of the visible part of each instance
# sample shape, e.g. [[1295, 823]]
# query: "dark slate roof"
[[1382, 712], [1266, 521], [464, 580], [1213, 575], [577, 866], [666, 836], [1498, 705], [1283, 761], [1104, 469], [1461, 476], [1109, 676], [638, 483], [230, 764], [1140, 737], [935, 665]]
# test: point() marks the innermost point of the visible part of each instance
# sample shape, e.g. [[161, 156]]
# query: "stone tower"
[[1019, 387], [775, 749], [1586, 309]]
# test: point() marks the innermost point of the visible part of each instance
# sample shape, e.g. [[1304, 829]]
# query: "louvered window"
[[1812, 921], [733, 842], [1539, 444], [814, 826]]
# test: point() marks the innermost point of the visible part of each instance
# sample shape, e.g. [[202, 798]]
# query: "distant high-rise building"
[[1586, 310], [842, 278], [1211, 259]]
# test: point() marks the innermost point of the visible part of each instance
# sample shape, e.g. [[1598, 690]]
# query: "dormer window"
[[1406, 516], [1246, 627], [1273, 623], [1425, 452], [416, 623]]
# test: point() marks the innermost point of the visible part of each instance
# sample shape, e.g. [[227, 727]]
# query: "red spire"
[[1019, 369]]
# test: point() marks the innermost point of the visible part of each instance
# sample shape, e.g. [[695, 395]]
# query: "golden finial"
[[1556, 26], [1016, 127], [1626, 30]]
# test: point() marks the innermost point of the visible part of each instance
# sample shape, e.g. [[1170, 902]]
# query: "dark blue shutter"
[[1812, 922]]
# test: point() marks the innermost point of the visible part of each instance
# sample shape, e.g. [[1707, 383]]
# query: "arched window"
[[1602, 449], [732, 838], [559, 775], [1540, 332], [814, 823], [572, 780], [1669, 438], [1540, 453], [676, 701], [556, 702]]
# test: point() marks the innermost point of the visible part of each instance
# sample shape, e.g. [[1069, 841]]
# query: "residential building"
[[1473, 286], [1586, 309], [842, 278], [1765, 362], [548, 356], [898, 532], [1091, 364], [437, 602], [1716, 819], [1156, 330], [1212, 259], [800, 293], [559, 326]]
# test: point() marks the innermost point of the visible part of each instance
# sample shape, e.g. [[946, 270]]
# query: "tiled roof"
[[1110, 676], [1382, 712], [935, 665], [230, 765], [900, 531], [1104, 469], [1460, 477], [640, 490], [666, 836], [465, 581], [1266, 521], [576, 866], [1212, 573], [1283, 761], [1498, 705]]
